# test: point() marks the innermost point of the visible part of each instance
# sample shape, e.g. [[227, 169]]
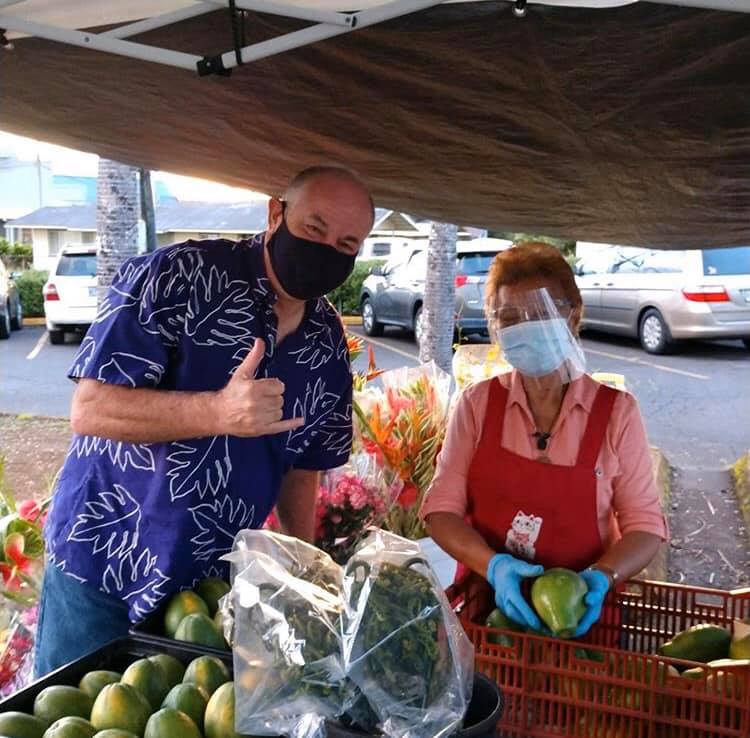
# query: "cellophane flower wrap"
[[286, 604], [404, 648], [351, 499], [403, 426], [21, 570], [17, 634]]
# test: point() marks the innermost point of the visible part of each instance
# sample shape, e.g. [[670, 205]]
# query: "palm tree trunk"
[[117, 211], [440, 297]]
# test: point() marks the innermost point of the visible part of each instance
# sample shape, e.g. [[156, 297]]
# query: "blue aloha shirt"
[[142, 521]]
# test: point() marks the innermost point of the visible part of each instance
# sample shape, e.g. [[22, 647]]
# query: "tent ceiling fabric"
[[629, 125]]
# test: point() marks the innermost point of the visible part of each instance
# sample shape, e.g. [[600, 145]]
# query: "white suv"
[[70, 293]]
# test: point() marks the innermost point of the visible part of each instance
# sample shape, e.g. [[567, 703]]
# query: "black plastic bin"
[[115, 656], [482, 717], [485, 708]]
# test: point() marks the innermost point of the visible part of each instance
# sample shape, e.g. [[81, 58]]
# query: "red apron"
[[540, 512]]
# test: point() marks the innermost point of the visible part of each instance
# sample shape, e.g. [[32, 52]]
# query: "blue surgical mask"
[[537, 347]]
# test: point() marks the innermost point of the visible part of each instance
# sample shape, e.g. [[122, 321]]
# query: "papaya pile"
[[193, 616], [155, 697]]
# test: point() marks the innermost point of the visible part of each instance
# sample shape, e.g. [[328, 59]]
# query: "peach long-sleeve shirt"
[[627, 495]]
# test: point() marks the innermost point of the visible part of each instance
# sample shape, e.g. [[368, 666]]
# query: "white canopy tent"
[[61, 22], [601, 120]]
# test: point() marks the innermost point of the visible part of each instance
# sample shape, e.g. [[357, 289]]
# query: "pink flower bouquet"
[[352, 499]]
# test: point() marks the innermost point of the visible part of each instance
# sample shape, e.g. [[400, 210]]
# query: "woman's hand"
[[505, 573], [598, 584]]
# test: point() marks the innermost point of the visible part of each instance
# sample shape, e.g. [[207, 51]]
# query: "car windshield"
[[77, 265], [724, 262], [472, 264]]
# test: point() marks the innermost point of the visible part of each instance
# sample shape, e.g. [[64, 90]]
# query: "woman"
[[543, 466]]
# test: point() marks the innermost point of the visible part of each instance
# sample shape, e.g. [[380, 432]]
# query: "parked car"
[[11, 311], [393, 294], [70, 293], [663, 296]]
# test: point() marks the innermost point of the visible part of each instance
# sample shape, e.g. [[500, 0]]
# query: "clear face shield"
[[533, 331]]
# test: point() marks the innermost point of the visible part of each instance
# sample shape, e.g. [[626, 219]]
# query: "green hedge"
[[20, 250], [346, 298], [30, 285], [16, 256]]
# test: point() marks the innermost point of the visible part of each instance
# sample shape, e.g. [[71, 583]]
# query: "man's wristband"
[[611, 574]]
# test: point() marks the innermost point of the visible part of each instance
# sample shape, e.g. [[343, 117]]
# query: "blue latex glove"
[[504, 573], [598, 584]]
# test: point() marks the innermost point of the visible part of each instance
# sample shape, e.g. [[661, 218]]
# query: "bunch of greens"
[[398, 656]]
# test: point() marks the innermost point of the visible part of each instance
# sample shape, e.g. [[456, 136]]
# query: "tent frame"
[[326, 24]]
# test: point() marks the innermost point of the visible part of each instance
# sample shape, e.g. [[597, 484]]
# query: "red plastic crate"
[[553, 688]]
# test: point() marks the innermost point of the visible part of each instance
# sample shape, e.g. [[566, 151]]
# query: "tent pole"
[[158, 21], [332, 17], [305, 36], [101, 43]]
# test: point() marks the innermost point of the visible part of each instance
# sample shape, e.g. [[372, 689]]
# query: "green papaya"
[[702, 643], [497, 619], [558, 597]]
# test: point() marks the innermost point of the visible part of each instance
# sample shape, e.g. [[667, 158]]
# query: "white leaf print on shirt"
[[83, 357], [201, 466], [111, 525], [218, 522], [337, 432], [129, 369], [136, 576], [318, 349], [314, 407], [62, 566], [219, 310], [171, 294], [342, 350], [165, 297], [122, 455], [125, 291]]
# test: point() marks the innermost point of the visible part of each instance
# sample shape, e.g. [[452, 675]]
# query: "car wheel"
[[16, 323], [5, 322], [369, 322], [56, 337], [654, 333], [419, 325]]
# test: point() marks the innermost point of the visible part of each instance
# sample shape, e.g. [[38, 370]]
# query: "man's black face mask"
[[306, 269]]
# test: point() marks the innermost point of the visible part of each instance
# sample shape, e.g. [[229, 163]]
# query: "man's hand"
[[250, 407]]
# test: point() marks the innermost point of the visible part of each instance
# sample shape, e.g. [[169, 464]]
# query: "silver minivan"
[[663, 296]]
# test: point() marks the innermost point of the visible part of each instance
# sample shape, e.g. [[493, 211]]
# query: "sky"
[[78, 163]]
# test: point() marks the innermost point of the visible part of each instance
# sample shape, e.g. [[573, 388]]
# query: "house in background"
[[393, 235], [49, 229], [24, 186], [29, 185]]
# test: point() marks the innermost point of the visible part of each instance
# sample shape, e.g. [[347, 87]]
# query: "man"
[[214, 384]]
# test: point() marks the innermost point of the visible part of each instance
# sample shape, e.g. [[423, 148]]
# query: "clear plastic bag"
[[405, 652], [286, 602]]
